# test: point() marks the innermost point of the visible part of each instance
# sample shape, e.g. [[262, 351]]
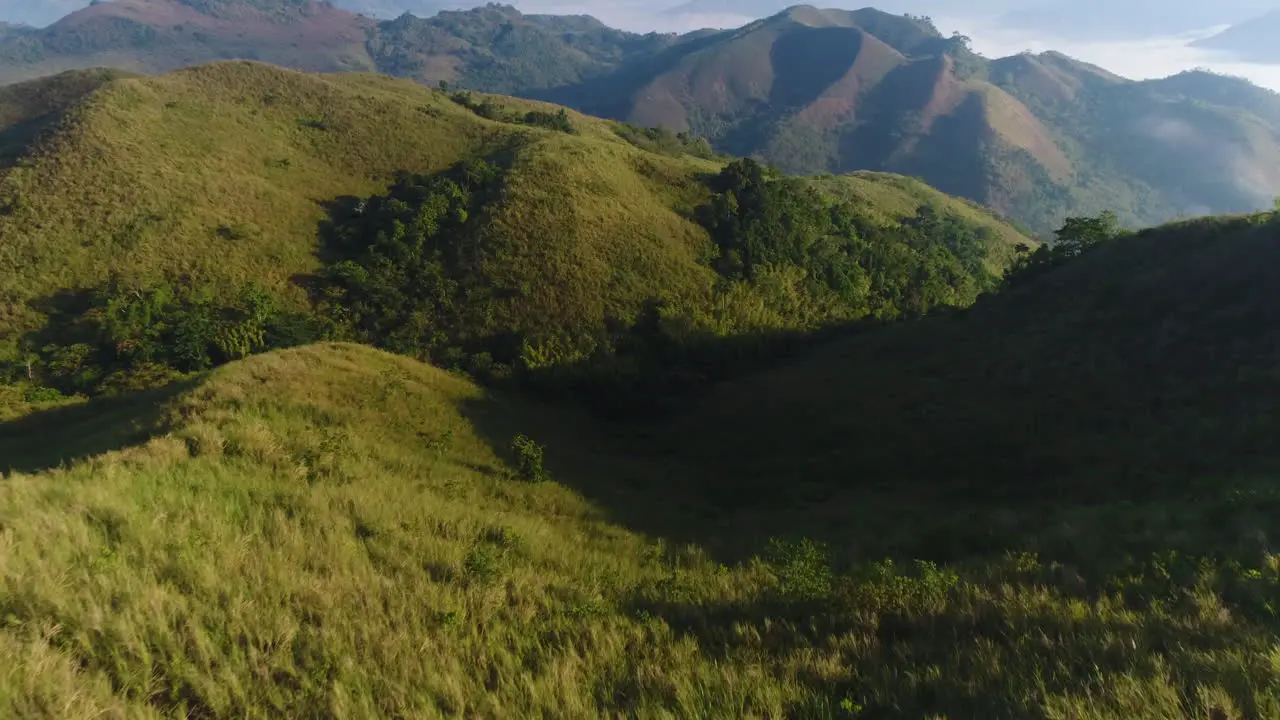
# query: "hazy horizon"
[[1152, 57], [1139, 59]]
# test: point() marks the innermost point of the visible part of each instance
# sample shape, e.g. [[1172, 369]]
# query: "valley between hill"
[[337, 396]]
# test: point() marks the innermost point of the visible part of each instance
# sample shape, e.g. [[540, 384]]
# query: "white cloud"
[[1137, 59]]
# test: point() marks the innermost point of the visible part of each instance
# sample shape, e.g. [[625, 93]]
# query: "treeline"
[[1076, 236], [404, 271], [662, 140], [491, 110], [764, 224], [122, 337]]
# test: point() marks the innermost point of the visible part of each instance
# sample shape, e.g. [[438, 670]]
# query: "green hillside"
[[31, 108], [184, 220], [696, 439], [362, 540]]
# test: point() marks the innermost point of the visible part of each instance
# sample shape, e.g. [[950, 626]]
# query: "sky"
[[1138, 59]]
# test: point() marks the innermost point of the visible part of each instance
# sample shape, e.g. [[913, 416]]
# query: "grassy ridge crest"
[[239, 173]]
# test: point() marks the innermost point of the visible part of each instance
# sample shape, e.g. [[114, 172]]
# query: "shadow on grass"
[[984, 665], [60, 436]]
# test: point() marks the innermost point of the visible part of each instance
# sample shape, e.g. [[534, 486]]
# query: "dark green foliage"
[[494, 111], [1077, 236], [801, 568], [552, 121], [119, 337], [37, 394], [529, 455], [760, 220], [402, 275], [657, 139]]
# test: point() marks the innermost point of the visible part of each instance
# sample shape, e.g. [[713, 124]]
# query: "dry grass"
[[328, 532]]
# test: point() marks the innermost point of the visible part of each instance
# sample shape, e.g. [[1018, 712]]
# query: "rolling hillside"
[[1135, 371], [333, 529], [210, 186], [697, 438]]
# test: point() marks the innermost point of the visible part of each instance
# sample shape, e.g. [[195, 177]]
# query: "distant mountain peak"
[[806, 88]]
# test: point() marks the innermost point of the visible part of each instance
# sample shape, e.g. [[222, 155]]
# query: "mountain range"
[[1093, 20], [1035, 137]]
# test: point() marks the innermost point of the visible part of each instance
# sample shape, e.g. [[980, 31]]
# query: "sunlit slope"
[[336, 531], [228, 173], [224, 172]]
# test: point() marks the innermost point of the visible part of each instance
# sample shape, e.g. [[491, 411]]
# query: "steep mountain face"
[[1253, 40], [1035, 137], [497, 49]]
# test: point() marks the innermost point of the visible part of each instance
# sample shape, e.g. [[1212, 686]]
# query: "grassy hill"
[[29, 109], [360, 540], [210, 192], [1047, 501]]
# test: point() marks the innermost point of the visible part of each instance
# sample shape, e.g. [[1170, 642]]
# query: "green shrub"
[[662, 140], [121, 337], [37, 394], [801, 568], [528, 458], [554, 121]]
